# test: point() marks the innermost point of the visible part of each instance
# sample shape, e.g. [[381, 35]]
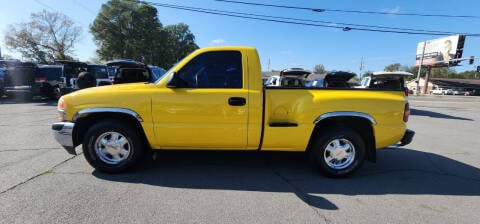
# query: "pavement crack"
[[50, 170]]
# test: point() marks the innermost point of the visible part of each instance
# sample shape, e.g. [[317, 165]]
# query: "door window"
[[221, 69]]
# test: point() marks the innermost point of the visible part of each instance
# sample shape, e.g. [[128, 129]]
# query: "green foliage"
[[393, 67], [48, 36], [319, 69], [180, 42], [131, 29]]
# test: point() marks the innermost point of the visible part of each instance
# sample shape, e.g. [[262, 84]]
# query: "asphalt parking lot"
[[435, 179]]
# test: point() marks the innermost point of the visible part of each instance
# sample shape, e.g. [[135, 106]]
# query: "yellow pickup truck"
[[214, 99]]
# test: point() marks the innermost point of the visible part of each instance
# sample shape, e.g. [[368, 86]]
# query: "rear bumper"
[[407, 137], [62, 132]]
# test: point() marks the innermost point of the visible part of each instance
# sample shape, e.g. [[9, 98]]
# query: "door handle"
[[237, 101]]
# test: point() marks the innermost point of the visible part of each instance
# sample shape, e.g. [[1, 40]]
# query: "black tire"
[[56, 93], [86, 80], [64, 91], [104, 160], [341, 163]]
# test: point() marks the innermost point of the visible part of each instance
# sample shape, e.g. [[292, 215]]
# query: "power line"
[[351, 11], [323, 21], [296, 21]]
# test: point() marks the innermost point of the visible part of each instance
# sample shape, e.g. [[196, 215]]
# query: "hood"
[[100, 91]]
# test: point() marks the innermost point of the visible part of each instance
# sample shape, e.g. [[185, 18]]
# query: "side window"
[[221, 69], [101, 73]]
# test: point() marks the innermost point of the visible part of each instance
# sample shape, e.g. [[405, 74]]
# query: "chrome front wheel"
[[112, 147]]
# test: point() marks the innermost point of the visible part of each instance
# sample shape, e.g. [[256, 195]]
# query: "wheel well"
[[361, 125], [84, 123]]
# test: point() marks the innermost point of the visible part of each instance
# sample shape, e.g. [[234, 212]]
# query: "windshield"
[[50, 73], [166, 73], [99, 71], [157, 73]]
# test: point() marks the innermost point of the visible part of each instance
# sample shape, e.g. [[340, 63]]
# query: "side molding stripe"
[[345, 114]]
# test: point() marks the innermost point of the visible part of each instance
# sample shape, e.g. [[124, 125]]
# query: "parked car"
[[49, 81], [337, 79], [72, 70], [292, 77], [19, 78], [273, 80], [315, 83], [100, 73], [459, 92], [2, 82], [384, 80], [130, 71], [441, 91], [157, 72]]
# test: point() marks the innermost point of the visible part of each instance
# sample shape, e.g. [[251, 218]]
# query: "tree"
[[180, 42], [392, 67], [48, 36], [127, 29], [131, 29], [319, 69]]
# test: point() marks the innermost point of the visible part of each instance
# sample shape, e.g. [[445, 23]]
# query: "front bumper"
[[407, 137], [63, 134]]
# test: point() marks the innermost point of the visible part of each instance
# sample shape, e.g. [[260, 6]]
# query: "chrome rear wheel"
[[339, 154]]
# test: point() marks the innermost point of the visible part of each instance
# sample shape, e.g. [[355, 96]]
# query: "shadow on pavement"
[[426, 113], [398, 171]]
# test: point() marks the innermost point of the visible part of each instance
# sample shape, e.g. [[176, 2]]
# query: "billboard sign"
[[440, 52]]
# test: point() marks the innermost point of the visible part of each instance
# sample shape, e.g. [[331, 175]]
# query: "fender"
[[345, 114], [87, 111]]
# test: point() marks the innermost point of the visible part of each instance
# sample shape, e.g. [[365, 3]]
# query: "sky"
[[283, 46]]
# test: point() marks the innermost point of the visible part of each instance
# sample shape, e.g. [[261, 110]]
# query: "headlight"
[[61, 109]]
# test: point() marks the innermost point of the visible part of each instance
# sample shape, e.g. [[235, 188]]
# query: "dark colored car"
[[49, 81], [157, 72], [100, 73], [2, 83], [130, 71], [19, 77], [337, 79], [72, 69]]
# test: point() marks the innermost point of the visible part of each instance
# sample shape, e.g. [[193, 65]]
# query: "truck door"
[[208, 107]]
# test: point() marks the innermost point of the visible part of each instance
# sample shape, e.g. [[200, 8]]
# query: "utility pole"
[[361, 68], [427, 79], [417, 91]]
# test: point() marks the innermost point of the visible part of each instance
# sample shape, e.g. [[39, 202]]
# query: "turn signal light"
[[61, 108]]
